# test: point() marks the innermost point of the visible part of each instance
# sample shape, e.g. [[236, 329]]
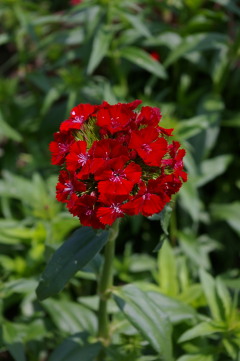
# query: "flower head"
[[115, 161]]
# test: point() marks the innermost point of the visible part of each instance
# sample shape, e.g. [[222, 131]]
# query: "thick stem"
[[105, 284]]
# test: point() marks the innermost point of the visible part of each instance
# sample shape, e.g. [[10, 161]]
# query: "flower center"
[[116, 208], [82, 158], [146, 147], [78, 119], [68, 187], [62, 147], [89, 212], [146, 196], [117, 176]]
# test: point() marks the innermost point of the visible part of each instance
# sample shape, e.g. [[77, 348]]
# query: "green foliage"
[[183, 301]]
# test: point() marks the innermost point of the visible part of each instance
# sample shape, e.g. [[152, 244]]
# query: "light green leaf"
[[176, 310], [211, 168], [71, 317], [202, 329], [193, 249], [167, 276], [196, 357], [190, 127], [76, 348], [231, 349], [196, 42], [190, 199], [209, 288], [100, 48], [225, 298], [72, 256], [144, 60], [148, 318], [136, 23]]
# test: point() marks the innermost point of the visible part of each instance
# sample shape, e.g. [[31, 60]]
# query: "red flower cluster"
[[115, 161]]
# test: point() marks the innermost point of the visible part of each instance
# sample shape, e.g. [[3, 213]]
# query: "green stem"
[[105, 284]]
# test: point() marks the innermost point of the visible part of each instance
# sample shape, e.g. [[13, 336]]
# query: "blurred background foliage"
[[182, 56]]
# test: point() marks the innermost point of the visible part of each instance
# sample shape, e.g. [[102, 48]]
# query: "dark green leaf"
[[7, 131], [16, 349], [76, 348], [72, 256], [229, 213]]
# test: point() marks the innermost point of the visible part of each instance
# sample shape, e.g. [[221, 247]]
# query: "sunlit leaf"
[[149, 319]]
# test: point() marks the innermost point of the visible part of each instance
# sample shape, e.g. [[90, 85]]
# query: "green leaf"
[[211, 168], [210, 292], [74, 317], [167, 277], [144, 60], [196, 42], [190, 200], [176, 310], [225, 298], [72, 256], [76, 348], [196, 357], [136, 23], [229, 213], [202, 329], [16, 349], [164, 216], [230, 5], [148, 318], [193, 249], [7, 131], [190, 127], [100, 48]]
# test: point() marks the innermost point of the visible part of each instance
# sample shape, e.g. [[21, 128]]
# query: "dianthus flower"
[[115, 162]]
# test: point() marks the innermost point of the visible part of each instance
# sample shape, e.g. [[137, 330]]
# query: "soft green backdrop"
[[182, 56]]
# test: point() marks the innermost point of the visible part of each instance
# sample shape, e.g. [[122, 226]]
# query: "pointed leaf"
[[72, 256], [176, 310], [74, 317], [229, 213], [144, 60], [100, 48], [209, 289], [167, 278], [211, 168], [225, 298], [148, 318], [202, 329]]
